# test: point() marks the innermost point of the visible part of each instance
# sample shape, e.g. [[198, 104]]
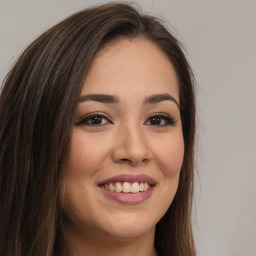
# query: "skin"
[[126, 142]]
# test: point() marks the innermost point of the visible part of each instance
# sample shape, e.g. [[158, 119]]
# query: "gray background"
[[220, 40]]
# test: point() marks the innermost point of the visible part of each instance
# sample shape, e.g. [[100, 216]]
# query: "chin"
[[129, 226]]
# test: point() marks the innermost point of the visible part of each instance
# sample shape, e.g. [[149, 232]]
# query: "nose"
[[131, 147]]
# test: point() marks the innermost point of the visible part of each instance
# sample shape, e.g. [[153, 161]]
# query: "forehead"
[[126, 67]]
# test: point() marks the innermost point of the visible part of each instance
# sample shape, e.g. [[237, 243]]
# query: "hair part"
[[37, 107]]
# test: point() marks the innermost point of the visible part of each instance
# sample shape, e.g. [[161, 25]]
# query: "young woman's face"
[[127, 144]]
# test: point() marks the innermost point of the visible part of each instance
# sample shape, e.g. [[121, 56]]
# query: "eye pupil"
[[96, 120], [155, 121]]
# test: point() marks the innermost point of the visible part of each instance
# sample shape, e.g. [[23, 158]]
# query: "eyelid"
[[170, 118], [91, 114], [159, 113]]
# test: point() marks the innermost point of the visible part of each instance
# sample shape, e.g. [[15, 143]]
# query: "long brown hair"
[[37, 106]]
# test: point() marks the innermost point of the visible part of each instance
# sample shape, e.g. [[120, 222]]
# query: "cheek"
[[170, 153], [85, 160], [85, 155]]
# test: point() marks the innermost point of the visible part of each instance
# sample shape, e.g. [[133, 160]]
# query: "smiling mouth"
[[126, 187]]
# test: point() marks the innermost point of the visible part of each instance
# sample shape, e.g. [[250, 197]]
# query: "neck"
[[81, 243]]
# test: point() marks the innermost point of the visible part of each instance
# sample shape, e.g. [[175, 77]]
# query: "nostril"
[[133, 162], [125, 160]]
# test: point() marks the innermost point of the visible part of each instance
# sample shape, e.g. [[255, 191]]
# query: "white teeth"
[[135, 187], [118, 187], [111, 187], [126, 187]]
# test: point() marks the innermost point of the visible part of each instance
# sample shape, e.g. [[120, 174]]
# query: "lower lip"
[[129, 198]]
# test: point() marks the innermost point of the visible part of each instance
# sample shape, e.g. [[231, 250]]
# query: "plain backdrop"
[[220, 41]]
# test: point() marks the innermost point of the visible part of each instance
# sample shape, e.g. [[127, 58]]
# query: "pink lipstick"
[[128, 189]]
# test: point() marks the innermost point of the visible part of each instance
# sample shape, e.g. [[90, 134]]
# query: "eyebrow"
[[156, 98], [104, 98], [111, 99]]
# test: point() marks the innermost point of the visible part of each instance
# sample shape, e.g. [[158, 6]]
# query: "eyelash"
[[168, 119], [86, 118]]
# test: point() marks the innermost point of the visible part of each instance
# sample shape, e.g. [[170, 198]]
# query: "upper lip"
[[129, 178]]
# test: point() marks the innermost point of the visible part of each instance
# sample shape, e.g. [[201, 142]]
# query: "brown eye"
[[160, 120], [155, 120], [94, 119]]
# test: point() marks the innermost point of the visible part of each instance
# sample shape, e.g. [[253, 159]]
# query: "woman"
[[97, 134]]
